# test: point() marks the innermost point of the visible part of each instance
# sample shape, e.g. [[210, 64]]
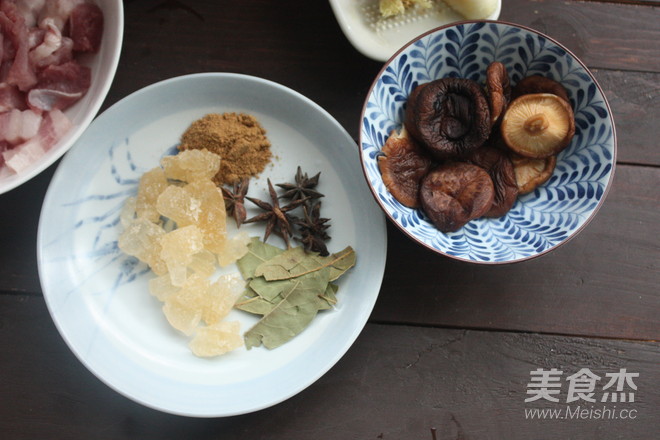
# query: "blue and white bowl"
[[554, 212]]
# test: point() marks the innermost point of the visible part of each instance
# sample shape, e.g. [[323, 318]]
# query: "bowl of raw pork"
[[58, 61], [487, 142]]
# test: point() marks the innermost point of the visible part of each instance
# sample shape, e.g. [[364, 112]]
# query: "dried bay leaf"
[[329, 297], [270, 289], [288, 288], [341, 262], [258, 253], [296, 262], [262, 296], [293, 313], [258, 305], [246, 301]]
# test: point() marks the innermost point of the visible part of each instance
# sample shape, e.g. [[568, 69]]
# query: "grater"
[[379, 38]]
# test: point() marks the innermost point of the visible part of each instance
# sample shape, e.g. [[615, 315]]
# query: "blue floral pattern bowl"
[[539, 221]]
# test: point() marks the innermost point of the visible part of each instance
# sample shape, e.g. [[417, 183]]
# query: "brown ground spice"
[[238, 138]]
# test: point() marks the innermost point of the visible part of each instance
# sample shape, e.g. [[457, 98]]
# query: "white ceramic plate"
[[379, 38], [99, 298]]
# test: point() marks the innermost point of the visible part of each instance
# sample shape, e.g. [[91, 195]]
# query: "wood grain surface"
[[601, 283], [632, 96], [449, 345], [612, 36], [396, 382]]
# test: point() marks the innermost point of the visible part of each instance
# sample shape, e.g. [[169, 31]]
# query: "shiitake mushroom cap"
[[499, 167], [539, 84], [531, 173], [402, 165], [450, 117], [454, 193], [498, 90], [538, 125]]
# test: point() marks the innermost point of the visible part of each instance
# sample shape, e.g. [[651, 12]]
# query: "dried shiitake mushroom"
[[498, 90], [455, 193], [494, 143], [530, 173], [403, 165], [538, 125], [497, 164], [449, 117], [539, 84], [413, 96]]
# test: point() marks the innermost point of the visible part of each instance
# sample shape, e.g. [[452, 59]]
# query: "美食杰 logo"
[[588, 395]]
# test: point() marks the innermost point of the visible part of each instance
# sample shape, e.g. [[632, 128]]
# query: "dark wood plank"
[[632, 2], [602, 35], [440, 379], [295, 45], [603, 282], [396, 382], [632, 96], [19, 221]]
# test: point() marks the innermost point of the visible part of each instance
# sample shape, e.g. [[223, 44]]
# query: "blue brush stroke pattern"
[[105, 222], [538, 221]]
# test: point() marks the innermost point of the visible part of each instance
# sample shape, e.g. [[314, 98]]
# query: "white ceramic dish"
[[103, 65], [379, 38], [99, 298]]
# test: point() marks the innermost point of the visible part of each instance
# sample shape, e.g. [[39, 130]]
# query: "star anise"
[[275, 216], [312, 243], [313, 228], [235, 200], [302, 188]]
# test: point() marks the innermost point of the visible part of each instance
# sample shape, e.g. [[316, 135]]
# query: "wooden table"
[[449, 346]]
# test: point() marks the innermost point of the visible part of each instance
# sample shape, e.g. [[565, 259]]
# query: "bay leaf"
[[292, 314], [258, 253], [270, 289], [328, 298], [296, 262], [262, 305], [341, 262], [258, 305], [247, 294]]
